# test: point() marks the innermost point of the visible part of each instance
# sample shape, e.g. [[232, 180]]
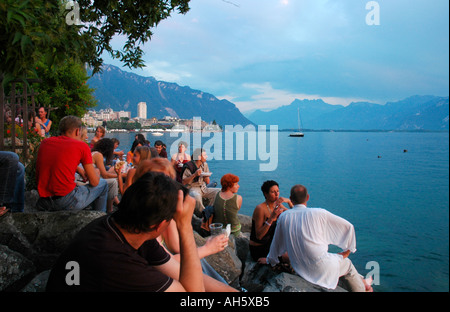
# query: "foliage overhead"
[[30, 29]]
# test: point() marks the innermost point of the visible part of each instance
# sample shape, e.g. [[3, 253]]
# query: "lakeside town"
[[121, 121]]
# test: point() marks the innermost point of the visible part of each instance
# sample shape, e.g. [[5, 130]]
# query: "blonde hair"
[[144, 152], [156, 165]]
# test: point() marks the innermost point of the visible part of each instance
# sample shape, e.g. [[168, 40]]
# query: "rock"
[[225, 263], [263, 278], [38, 283], [30, 243], [285, 282], [40, 237], [15, 269]]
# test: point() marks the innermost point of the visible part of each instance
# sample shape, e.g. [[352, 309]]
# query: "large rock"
[[225, 263], [39, 237], [264, 278], [15, 269]]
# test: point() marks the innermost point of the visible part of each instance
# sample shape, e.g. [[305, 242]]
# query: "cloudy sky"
[[261, 54]]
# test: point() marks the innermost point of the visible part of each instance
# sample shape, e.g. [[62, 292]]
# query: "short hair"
[[159, 143], [197, 153], [158, 164], [299, 194], [149, 201], [228, 181], [69, 123], [115, 140], [265, 188]]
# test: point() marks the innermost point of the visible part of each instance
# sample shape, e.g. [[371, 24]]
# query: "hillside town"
[[122, 121]]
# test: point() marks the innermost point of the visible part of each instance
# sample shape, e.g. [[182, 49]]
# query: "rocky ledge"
[[30, 243]]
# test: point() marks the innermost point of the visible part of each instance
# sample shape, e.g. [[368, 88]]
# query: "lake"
[[392, 186]]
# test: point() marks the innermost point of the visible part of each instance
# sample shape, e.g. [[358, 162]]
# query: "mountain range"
[[121, 90], [413, 113]]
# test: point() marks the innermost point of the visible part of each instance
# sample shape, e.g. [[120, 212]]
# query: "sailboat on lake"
[[298, 134]]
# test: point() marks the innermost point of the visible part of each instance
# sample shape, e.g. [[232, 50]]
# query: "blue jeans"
[[12, 181], [81, 197]]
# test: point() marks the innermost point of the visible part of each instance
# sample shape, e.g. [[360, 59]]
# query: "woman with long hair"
[[102, 154]]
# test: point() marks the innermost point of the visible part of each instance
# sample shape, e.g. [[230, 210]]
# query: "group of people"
[[147, 242], [12, 171]]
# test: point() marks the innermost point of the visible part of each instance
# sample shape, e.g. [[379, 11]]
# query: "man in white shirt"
[[305, 234]]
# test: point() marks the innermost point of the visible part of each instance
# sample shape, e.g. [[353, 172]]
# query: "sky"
[[262, 54]]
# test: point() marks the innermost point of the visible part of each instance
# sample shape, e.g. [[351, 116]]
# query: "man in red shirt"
[[56, 164]]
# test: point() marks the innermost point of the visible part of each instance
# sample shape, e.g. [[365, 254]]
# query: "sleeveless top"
[[226, 212]]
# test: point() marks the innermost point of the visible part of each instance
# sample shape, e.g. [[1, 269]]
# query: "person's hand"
[[277, 210], [198, 172], [262, 260], [184, 211], [345, 254], [215, 244], [282, 200]]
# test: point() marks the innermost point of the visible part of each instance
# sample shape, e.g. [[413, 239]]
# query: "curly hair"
[[265, 188], [228, 181]]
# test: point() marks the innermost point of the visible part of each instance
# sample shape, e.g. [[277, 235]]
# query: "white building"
[[142, 110]]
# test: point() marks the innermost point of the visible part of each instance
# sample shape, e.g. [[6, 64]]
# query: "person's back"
[[106, 262], [311, 231], [58, 158], [226, 212], [305, 234], [56, 164]]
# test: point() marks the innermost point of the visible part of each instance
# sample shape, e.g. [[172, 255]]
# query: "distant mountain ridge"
[[414, 113], [121, 90]]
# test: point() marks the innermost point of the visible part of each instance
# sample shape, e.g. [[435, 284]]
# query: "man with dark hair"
[[56, 164], [305, 234], [120, 252]]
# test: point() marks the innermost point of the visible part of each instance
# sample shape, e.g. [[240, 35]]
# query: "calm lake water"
[[398, 201]]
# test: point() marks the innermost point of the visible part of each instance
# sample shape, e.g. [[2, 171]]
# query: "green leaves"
[[32, 29]]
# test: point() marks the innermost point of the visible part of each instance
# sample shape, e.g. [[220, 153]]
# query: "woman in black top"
[[265, 218]]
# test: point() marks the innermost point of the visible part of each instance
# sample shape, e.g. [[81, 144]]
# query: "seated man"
[[119, 252], [56, 163], [195, 177], [305, 234], [12, 182]]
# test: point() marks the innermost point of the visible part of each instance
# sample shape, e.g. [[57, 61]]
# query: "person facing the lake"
[[195, 176], [228, 203], [264, 220], [119, 252], [56, 164], [305, 234]]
